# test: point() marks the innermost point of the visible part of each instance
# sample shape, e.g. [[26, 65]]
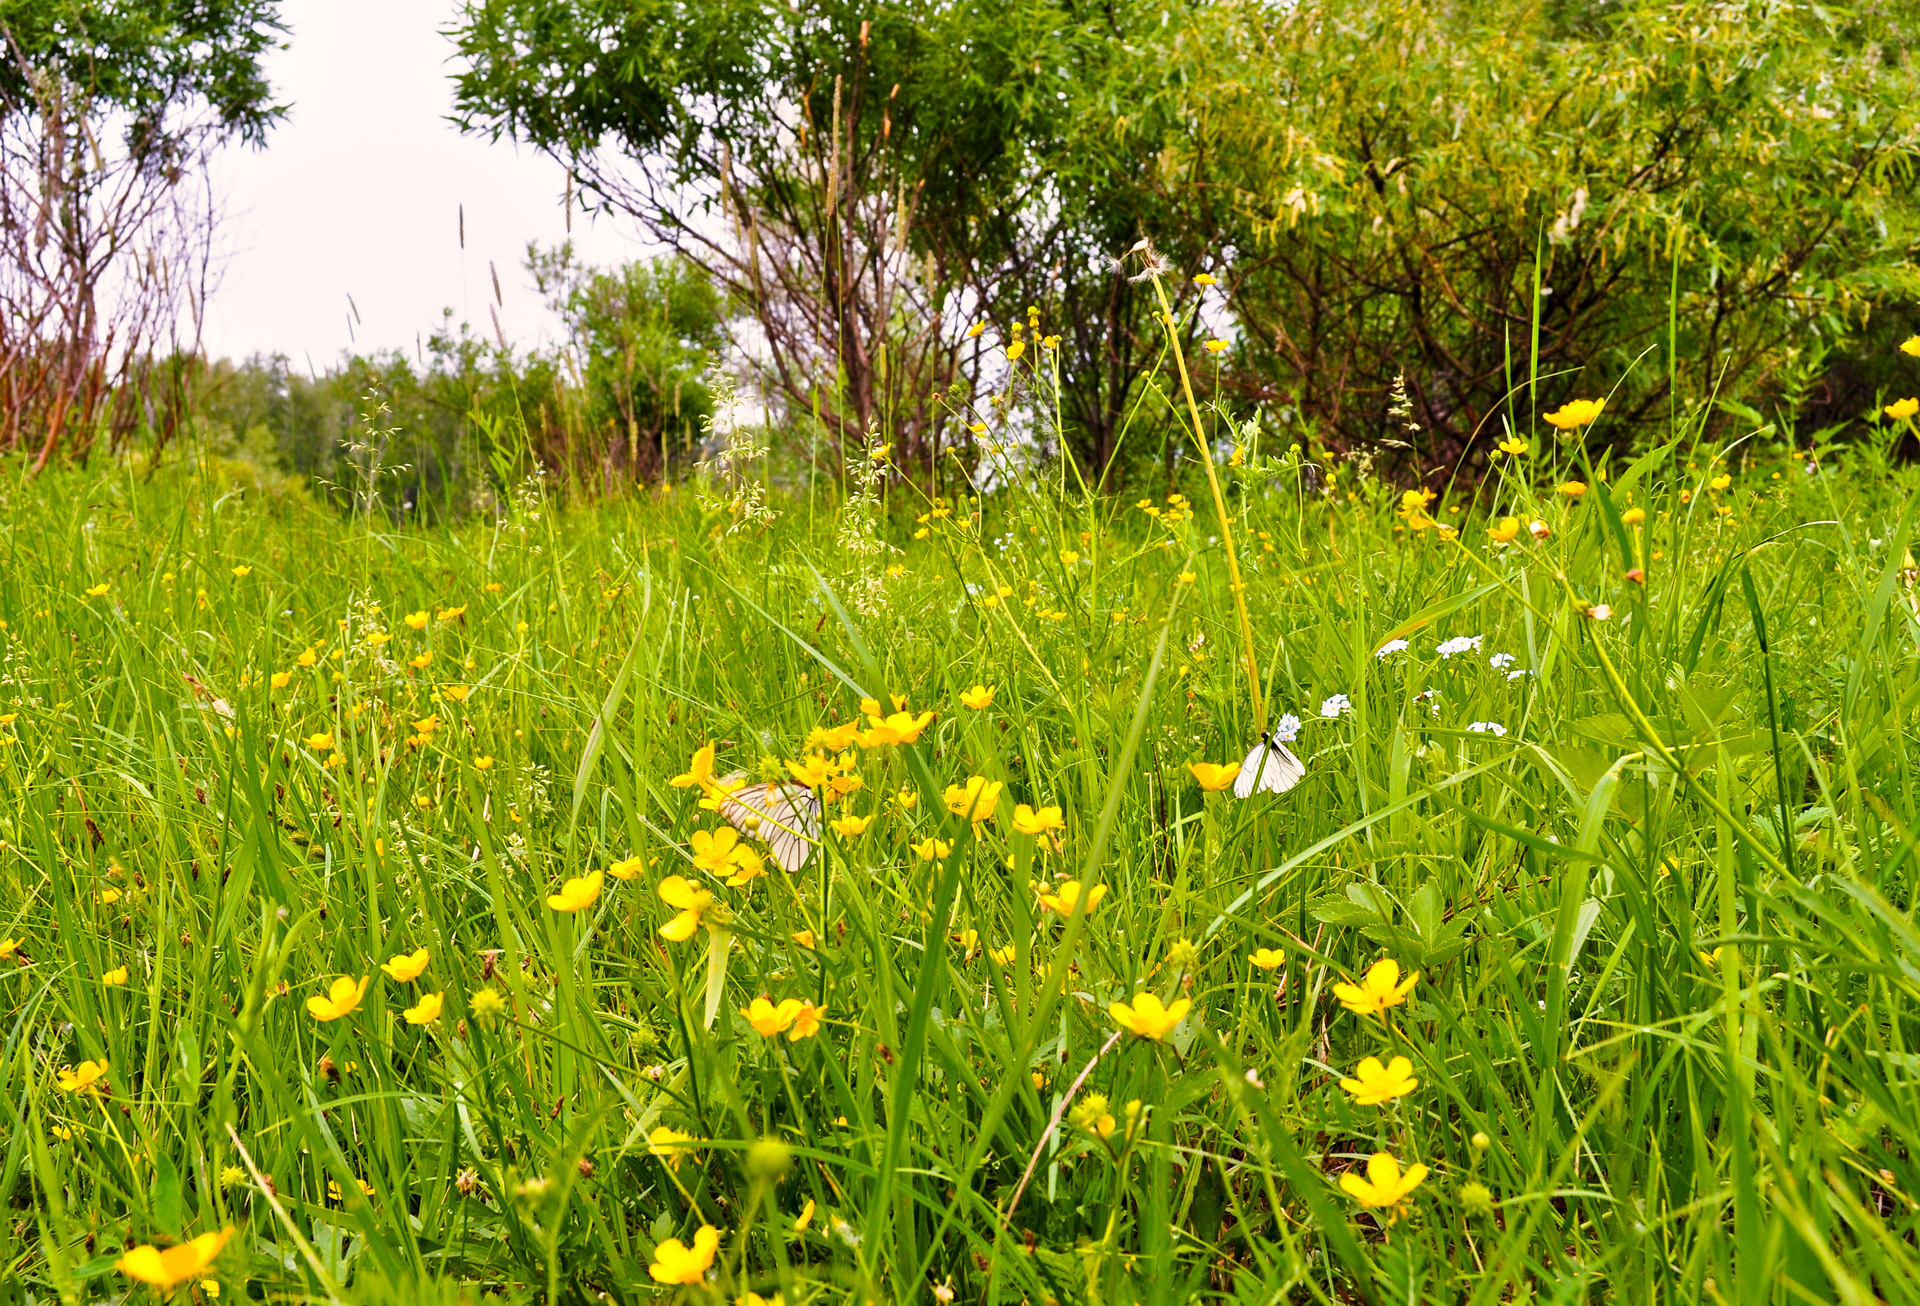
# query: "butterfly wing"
[[784, 816], [1270, 768]]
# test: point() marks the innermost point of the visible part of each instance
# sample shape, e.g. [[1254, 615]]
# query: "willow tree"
[[108, 111], [868, 182]]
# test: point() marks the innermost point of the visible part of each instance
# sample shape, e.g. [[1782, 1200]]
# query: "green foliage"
[[1716, 193], [149, 61], [645, 336], [1702, 202], [868, 183]]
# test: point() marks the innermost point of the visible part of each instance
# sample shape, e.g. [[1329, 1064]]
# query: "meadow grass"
[[1634, 800]]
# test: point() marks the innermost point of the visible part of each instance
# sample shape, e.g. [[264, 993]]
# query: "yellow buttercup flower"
[[407, 967], [699, 771], [835, 739], [1634, 516], [1027, 821], [768, 1019], [674, 1262], [1902, 409], [850, 826], [1384, 1185], [1216, 346], [931, 849], [1576, 412], [627, 867], [167, 1268], [906, 797], [455, 693], [448, 614], [811, 771], [1721, 481], [979, 698], [1147, 1018], [87, 1077], [720, 852], [577, 893], [1514, 445], [1064, 898], [425, 1011], [99, 591], [975, 800], [1911, 345], [280, 679], [421, 662], [343, 996], [1213, 776], [426, 725], [898, 728], [806, 1022], [239, 572], [1373, 1084], [1267, 958], [669, 1145], [692, 902], [1382, 988], [319, 743], [1572, 489], [418, 620], [1505, 531]]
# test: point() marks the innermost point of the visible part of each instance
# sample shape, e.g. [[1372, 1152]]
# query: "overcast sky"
[[359, 193]]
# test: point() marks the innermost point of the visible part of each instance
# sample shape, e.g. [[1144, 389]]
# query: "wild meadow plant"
[[386, 917]]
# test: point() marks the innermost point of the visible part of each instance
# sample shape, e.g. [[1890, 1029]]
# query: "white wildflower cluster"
[[1460, 644], [1337, 706], [1287, 728], [1389, 648], [738, 493], [858, 536], [1487, 728]]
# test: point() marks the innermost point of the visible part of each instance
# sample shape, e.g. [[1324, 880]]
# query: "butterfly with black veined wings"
[[1273, 764], [784, 816]]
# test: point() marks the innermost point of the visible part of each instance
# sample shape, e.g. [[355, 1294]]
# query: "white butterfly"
[[785, 817], [1270, 767]]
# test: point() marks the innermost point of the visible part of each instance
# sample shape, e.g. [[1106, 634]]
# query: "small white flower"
[[1460, 644], [1600, 611], [1516, 675], [1500, 661], [1487, 728], [1287, 729], [1390, 647], [1338, 705]]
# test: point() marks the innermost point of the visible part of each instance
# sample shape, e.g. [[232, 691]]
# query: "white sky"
[[358, 193]]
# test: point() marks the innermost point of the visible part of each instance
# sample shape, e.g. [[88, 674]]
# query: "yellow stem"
[[1220, 511]]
